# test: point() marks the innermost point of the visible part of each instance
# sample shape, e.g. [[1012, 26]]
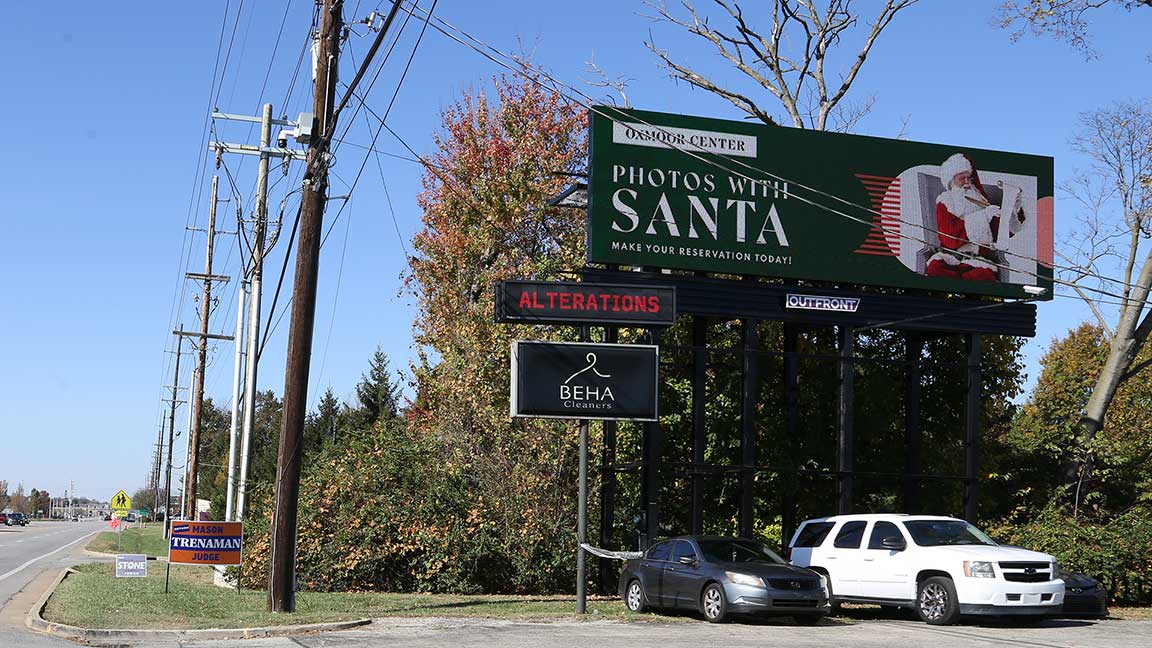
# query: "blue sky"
[[105, 133]]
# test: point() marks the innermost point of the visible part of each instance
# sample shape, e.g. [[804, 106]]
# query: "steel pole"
[[237, 373], [253, 354]]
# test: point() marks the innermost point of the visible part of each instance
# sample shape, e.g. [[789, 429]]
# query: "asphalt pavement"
[[30, 557]]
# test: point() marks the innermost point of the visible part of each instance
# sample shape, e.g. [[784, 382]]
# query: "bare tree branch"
[[788, 61], [1063, 19]]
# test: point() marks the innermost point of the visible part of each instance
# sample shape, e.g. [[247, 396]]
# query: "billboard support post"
[[582, 510]]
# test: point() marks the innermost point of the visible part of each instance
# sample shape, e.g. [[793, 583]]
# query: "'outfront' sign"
[[578, 380], [206, 543]]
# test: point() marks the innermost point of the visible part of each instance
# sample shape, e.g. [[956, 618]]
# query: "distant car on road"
[[14, 519], [4, 518], [131, 517], [721, 576]]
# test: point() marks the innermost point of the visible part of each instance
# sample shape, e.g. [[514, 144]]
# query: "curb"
[[36, 622]]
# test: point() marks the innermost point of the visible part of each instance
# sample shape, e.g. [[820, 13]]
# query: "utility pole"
[[157, 467], [282, 579], [172, 430], [198, 388], [237, 370]]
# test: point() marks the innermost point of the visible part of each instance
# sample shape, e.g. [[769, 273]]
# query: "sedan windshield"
[[935, 533], [737, 551]]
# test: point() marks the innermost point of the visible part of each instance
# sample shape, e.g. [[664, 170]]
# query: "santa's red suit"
[[967, 224]]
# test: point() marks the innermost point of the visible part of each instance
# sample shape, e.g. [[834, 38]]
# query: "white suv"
[[941, 566]]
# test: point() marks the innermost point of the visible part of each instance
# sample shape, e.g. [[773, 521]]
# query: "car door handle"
[[869, 559]]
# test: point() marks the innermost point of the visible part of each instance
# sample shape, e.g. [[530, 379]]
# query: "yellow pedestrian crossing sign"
[[121, 503]]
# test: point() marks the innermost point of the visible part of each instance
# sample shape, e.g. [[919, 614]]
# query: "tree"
[[1047, 434], [17, 501], [3, 494], [323, 424], [1116, 192], [789, 60], [486, 218], [377, 395], [1063, 19]]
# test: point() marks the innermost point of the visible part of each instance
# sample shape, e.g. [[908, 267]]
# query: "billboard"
[[543, 302], [693, 193], [206, 543], [580, 380]]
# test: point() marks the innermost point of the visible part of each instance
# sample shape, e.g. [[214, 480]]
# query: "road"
[[31, 554]]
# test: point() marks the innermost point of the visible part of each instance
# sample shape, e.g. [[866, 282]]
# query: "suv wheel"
[[936, 602], [634, 597], [714, 604]]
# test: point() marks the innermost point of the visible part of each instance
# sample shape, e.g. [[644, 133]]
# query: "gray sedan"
[[719, 577]]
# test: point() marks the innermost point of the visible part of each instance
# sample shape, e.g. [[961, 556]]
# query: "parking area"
[[859, 633]]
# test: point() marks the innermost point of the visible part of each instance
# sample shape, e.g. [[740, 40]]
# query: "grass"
[[149, 541], [94, 598], [1130, 613]]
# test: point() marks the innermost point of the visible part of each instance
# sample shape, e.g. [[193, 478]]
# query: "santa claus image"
[[968, 225]]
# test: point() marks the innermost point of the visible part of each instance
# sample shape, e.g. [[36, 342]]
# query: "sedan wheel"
[[714, 604], [634, 597]]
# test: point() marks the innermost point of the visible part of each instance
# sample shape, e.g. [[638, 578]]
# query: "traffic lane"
[[463, 633], [26, 551]]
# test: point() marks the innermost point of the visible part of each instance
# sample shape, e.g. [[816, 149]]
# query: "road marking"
[[11, 572]]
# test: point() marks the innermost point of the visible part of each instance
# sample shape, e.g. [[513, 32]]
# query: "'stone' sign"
[[131, 566], [671, 191], [578, 380], [206, 543], [584, 303]]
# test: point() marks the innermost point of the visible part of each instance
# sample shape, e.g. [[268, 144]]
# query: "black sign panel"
[[584, 381], [584, 303]]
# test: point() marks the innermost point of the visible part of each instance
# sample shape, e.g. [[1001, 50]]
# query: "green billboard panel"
[[693, 193]]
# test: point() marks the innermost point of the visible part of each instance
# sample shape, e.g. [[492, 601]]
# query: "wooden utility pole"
[[172, 429], [281, 586], [201, 361]]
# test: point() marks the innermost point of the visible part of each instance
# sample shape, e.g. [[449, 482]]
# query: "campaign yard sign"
[[206, 543], [131, 566], [692, 193]]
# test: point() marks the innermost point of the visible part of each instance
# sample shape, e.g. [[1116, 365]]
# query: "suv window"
[[681, 549], [880, 532], [660, 551], [851, 535], [813, 534]]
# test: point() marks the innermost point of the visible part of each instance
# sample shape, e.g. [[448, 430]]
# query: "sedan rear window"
[[737, 551], [813, 534]]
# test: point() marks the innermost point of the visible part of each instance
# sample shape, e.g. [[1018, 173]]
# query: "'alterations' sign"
[[206, 543], [584, 303], [673, 191], [578, 380]]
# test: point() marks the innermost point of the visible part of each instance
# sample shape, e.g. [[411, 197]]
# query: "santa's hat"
[[957, 163]]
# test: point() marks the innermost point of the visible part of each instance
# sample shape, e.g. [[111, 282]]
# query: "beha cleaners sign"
[[579, 380]]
